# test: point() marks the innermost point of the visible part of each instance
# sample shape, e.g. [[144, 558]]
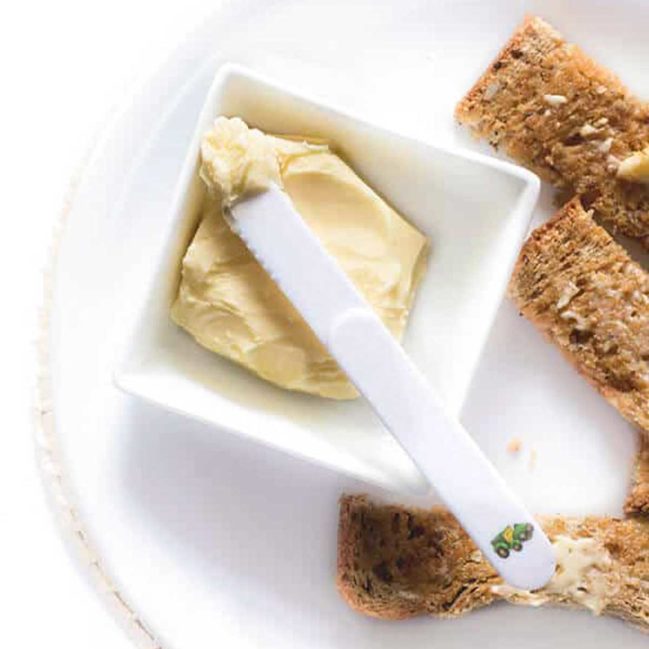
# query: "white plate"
[[215, 541], [475, 210]]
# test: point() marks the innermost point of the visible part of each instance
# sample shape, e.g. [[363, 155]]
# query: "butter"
[[635, 168], [236, 160], [580, 577], [229, 303]]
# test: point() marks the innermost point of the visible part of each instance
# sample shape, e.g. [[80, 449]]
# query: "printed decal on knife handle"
[[512, 538]]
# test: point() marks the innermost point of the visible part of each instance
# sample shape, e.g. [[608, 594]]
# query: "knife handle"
[[472, 489]]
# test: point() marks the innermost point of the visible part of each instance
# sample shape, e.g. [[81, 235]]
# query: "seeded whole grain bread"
[[585, 293], [556, 111], [637, 501], [396, 562]]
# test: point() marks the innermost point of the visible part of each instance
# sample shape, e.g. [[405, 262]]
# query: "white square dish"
[[474, 210]]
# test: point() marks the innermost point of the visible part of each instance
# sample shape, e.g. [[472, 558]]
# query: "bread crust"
[[556, 111], [637, 501]]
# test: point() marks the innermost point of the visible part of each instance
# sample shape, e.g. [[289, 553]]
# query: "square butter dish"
[[475, 212]]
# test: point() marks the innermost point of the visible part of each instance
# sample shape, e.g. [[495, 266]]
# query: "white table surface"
[[63, 65]]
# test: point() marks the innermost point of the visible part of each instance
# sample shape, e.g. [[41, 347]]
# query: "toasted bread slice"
[[585, 293], [396, 562], [555, 110], [638, 500]]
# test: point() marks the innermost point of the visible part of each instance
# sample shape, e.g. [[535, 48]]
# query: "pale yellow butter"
[[581, 577], [635, 168], [229, 303]]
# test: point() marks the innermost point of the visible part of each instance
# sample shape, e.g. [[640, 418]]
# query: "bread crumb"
[[555, 100], [605, 146], [407, 594], [580, 322], [491, 90], [569, 291], [514, 445], [612, 163], [635, 168], [587, 129]]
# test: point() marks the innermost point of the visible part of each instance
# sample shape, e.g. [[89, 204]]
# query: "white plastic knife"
[[339, 315]]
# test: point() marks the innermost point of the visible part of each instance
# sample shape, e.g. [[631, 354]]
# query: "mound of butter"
[[229, 303]]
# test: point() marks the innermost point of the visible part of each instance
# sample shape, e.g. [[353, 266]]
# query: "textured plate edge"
[[49, 461], [48, 457]]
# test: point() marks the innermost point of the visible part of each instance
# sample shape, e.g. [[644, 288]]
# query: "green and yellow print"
[[512, 538]]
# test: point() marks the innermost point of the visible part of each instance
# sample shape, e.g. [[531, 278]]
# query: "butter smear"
[[580, 577], [635, 168]]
